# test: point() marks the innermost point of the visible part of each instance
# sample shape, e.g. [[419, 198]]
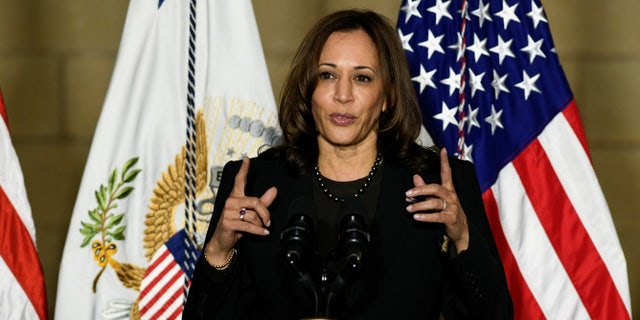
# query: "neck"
[[341, 164]]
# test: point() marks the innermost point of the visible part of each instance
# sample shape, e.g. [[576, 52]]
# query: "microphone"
[[297, 239], [353, 235]]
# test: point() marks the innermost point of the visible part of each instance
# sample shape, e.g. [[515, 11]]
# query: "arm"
[[222, 292], [476, 284], [210, 287], [478, 279]]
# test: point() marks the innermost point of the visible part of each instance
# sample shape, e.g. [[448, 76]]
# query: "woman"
[[350, 120]]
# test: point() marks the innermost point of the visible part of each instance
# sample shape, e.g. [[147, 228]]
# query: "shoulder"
[[263, 160], [461, 168]]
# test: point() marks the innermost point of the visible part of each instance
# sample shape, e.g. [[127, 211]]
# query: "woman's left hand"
[[440, 204]]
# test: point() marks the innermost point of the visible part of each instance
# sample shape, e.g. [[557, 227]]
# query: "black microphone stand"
[[345, 262]]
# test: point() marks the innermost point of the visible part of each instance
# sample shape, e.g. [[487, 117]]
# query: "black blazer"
[[405, 274]]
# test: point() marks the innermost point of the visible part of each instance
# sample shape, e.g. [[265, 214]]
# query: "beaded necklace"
[[359, 192]]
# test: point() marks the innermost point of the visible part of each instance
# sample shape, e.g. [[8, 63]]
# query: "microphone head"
[[303, 208], [353, 229], [354, 238], [353, 211], [298, 237]]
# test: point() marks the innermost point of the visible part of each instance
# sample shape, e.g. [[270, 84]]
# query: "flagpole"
[[190, 163], [463, 80]]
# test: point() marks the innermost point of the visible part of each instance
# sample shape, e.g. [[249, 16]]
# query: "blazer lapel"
[[394, 226], [392, 222]]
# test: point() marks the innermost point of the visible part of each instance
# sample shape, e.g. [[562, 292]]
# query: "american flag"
[[22, 288], [161, 289], [493, 92]]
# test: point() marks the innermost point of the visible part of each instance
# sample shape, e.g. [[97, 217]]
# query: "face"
[[349, 97]]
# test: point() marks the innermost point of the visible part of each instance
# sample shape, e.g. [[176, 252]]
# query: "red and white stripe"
[[22, 291], [554, 231], [161, 291]]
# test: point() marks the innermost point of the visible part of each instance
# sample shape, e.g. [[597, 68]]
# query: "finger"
[[445, 170], [241, 179], [411, 193], [235, 223], [267, 199], [268, 196], [430, 205], [437, 217], [250, 223], [250, 216], [418, 181], [259, 206]]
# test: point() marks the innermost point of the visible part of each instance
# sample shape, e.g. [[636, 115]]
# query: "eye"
[[362, 78], [326, 75]]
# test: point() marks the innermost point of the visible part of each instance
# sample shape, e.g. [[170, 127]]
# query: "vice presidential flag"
[[493, 92], [22, 290], [189, 92]]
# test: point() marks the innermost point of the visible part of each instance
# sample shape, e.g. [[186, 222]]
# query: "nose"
[[343, 91]]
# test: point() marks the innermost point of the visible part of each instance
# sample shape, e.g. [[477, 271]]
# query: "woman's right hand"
[[232, 224]]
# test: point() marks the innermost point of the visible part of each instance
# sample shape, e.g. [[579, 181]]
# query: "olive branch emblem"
[[103, 221]]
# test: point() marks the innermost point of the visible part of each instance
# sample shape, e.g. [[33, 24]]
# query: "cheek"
[[374, 118], [319, 103], [319, 97], [316, 113]]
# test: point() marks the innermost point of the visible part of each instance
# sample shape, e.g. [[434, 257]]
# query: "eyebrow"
[[356, 67]]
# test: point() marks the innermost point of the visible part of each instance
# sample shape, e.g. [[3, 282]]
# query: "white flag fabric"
[[22, 290], [190, 91]]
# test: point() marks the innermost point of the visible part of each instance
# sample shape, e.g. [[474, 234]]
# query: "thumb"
[[268, 196], [418, 181]]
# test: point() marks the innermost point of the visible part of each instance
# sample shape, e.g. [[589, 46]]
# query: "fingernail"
[[409, 207], [409, 193], [416, 216], [268, 224], [410, 200], [266, 232]]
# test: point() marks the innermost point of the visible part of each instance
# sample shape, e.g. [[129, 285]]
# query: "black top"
[[328, 210]]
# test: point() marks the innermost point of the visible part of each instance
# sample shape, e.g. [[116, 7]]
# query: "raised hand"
[[241, 214], [440, 204]]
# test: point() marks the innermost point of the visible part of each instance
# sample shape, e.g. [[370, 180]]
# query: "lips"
[[342, 119]]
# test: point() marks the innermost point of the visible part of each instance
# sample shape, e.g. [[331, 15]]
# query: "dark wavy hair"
[[399, 125]]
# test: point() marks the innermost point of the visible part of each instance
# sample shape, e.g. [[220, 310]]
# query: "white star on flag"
[[479, 47], [433, 44], [528, 84], [475, 82], [473, 119], [447, 116], [533, 48], [536, 14], [411, 9], [494, 119], [425, 79], [503, 49], [457, 47], [498, 83], [508, 13], [453, 81], [441, 9], [405, 40], [482, 13]]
